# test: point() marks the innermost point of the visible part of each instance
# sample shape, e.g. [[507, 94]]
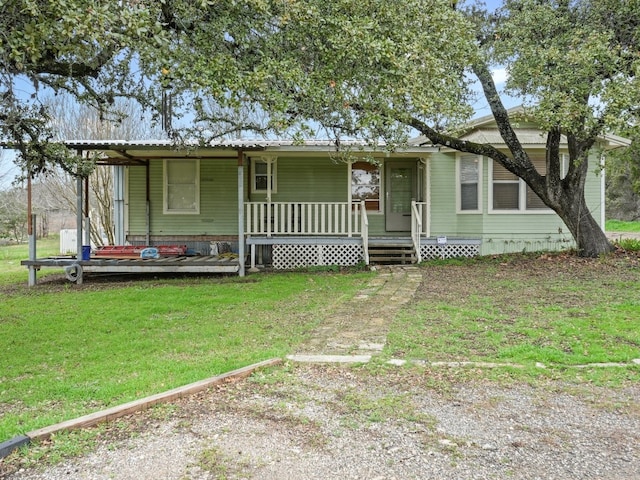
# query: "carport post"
[[31, 232], [79, 221], [241, 254]]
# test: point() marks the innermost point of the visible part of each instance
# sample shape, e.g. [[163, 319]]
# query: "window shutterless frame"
[[263, 171], [181, 187], [469, 184]]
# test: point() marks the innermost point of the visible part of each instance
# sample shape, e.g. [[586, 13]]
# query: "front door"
[[401, 190]]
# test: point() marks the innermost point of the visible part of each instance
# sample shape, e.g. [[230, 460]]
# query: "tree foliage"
[[82, 47], [352, 67], [13, 214], [81, 122], [575, 61], [373, 70], [623, 182]]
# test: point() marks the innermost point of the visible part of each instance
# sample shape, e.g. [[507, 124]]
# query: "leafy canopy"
[[575, 62], [353, 67], [81, 47]]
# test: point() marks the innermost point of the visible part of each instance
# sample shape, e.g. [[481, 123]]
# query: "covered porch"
[[279, 204]]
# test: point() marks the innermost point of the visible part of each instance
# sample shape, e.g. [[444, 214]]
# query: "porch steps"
[[391, 251]]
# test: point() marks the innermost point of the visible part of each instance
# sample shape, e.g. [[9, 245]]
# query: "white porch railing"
[[365, 233], [304, 218], [418, 229]]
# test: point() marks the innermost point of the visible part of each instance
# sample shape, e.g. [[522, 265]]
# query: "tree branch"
[[500, 113]]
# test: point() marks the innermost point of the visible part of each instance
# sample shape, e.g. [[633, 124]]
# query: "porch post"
[[148, 203], [270, 213], [428, 196], [349, 200], [79, 220], [603, 183], [87, 221], [241, 239]]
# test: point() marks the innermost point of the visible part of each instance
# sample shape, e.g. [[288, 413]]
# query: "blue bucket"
[[86, 252]]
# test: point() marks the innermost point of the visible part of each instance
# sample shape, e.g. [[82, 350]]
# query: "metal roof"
[[232, 144], [235, 144], [139, 151]]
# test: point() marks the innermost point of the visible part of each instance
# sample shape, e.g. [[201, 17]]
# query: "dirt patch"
[[52, 282]]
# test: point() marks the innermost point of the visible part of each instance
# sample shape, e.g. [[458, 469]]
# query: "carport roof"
[[139, 151]]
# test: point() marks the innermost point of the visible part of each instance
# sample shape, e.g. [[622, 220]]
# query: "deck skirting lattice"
[[296, 256], [449, 250]]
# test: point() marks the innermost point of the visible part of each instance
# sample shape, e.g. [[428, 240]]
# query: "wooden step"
[[392, 253], [396, 242], [392, 260]]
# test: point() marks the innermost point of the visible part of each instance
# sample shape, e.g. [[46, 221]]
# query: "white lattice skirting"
[[286, 257], [448, 251]]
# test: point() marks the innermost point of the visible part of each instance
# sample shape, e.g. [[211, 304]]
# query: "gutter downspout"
[[118, 200]]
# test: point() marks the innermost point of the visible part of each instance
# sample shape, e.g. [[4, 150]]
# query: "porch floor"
[[182, 264]]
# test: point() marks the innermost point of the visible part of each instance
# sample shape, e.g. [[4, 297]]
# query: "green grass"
[[68, 350], [620, 226], [560, 313], [12, 255]]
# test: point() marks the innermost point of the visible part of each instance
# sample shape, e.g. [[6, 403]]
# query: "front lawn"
[[551, 313], [68, 350]]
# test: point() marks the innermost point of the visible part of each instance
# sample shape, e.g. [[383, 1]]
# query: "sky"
[[8, 170]]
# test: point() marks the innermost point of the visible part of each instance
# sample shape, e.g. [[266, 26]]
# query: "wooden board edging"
[[13, 444], [144, 403]]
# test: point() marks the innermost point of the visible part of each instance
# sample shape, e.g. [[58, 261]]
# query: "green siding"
[[218, 201], [501, 232], [309, 180], [444, 220], [136, 200], [320, 179]]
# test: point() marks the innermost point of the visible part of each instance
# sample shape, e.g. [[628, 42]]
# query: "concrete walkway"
[[359, 328]]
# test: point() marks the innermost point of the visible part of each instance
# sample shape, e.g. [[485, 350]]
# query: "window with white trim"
[[365, 184], [509, 192], [469, 175], [181, 187], [263, 174]]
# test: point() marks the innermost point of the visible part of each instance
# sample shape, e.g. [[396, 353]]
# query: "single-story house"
[[287, 205]]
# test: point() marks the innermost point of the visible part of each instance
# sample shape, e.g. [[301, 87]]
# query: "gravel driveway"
[[331, 422]]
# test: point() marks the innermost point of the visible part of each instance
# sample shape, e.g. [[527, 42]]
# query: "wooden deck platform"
[[75, 268]]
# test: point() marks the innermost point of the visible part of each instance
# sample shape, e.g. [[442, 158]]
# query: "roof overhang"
[[484, 130], [120, 152]]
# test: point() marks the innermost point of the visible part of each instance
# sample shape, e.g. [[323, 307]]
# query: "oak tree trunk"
[[590, 239]]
